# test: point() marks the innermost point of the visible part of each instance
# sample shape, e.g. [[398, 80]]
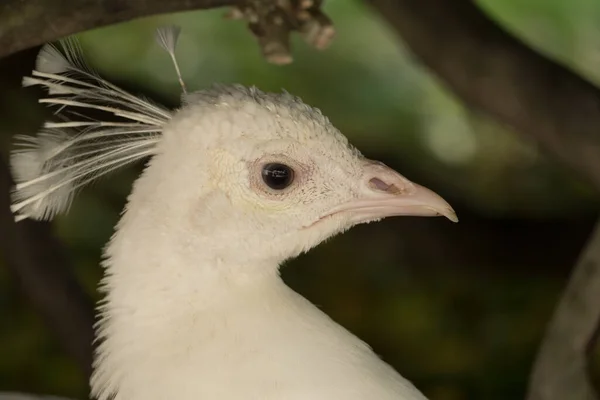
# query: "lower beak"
[[386, 193]]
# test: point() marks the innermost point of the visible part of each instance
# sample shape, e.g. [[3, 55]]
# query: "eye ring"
[[277, 176]]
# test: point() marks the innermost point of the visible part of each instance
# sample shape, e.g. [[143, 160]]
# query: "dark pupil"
[[277, 176]]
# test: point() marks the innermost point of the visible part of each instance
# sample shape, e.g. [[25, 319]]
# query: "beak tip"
[[451, 215]]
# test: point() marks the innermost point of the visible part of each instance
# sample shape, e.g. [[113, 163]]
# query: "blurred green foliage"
[[460, 331]]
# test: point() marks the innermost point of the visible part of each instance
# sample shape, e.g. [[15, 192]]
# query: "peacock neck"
[[167, 288], [159, 313]]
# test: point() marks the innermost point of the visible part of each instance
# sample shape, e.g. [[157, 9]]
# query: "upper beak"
[[386, 193]]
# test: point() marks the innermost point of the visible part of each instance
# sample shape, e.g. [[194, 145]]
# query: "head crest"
[[74, 150]]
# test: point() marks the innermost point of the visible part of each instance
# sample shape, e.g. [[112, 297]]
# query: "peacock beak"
[[386, 193]]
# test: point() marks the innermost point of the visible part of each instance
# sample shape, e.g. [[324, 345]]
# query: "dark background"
[[458, 309]]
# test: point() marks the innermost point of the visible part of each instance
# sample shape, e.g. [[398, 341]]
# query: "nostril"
[[378, 184]]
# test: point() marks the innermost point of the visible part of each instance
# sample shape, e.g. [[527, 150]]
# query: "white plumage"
[[238, 182]]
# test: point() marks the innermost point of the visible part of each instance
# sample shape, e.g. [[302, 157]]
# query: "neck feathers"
[[163, 279]]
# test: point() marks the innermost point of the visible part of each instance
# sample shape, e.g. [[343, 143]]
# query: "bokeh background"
[[458, 309]]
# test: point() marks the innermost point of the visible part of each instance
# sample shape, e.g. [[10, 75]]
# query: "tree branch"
[[24, 24], [496, 73], [560, 371]]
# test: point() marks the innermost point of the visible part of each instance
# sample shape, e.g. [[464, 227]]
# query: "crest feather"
[[167, 38], [75, 150]]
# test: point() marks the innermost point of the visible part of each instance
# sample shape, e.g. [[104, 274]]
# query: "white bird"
[[238, 182]]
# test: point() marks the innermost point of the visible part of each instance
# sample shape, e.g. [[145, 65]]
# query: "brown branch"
[[24, 24], [494, 72], [560, 371]]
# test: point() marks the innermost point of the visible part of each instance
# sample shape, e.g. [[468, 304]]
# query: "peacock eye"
[[277, 176]]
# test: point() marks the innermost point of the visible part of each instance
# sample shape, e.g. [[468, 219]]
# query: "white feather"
[[167, 38], [51, 60], [76, 150]]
